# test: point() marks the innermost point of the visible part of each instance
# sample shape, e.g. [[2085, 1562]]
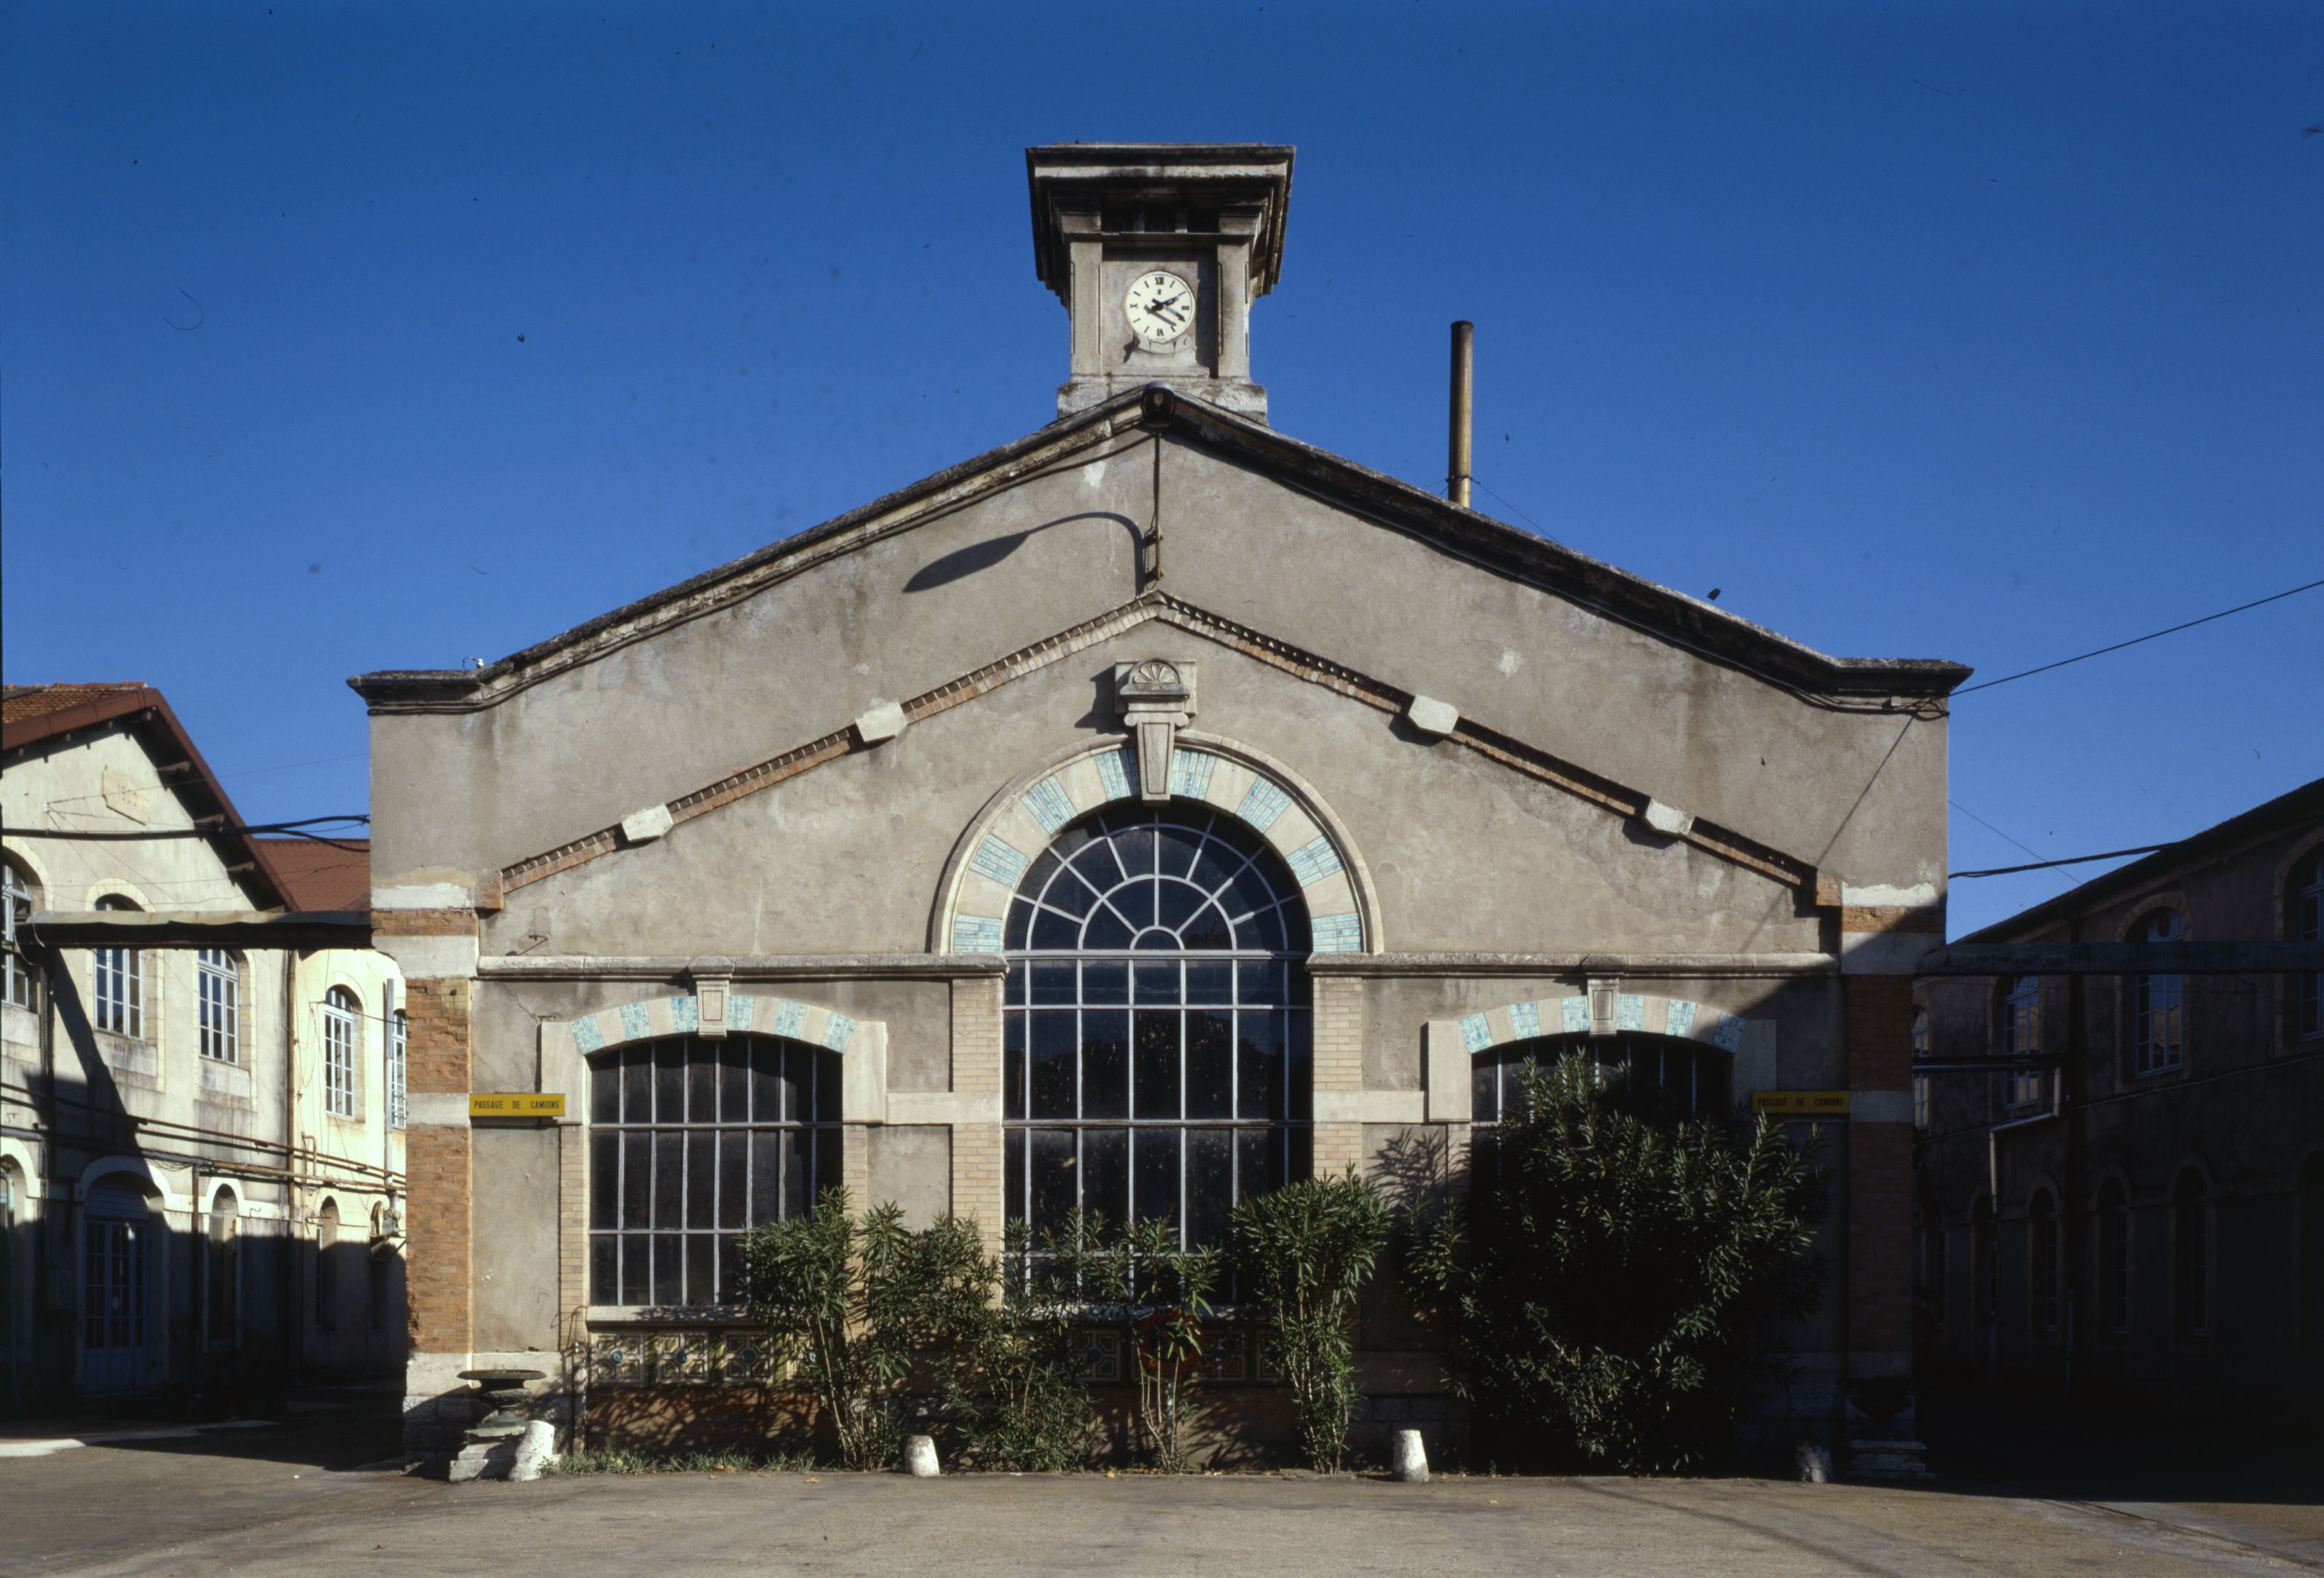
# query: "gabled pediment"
[[1628, 802], [1493, 548]]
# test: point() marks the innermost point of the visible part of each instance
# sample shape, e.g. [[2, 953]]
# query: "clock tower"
[[1157, 251]]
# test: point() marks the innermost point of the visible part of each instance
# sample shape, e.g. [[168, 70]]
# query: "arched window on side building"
[[2158, 1014], [217, 979], [119, 981], [342, 1033], [18, 901]]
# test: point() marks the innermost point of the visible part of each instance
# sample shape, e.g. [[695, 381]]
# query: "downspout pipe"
[[1465, 361]]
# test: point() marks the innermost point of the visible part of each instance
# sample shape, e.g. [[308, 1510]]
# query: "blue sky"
[[342, 338]]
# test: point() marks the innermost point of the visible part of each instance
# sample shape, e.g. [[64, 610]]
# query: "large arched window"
[[2303, 922], [691, 1141], [16, 895], [120, 982], [1156, 1024], [218, 978], [342, 1030], [2159, 1004]]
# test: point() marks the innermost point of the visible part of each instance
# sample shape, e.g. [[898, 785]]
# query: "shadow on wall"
[[963, 562]]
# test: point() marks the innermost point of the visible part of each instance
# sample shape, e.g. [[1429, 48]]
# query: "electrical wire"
[[2135, 640], [297, 829], [2071, 859]]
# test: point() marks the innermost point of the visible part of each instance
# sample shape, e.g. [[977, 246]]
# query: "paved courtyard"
[[295, 1498]]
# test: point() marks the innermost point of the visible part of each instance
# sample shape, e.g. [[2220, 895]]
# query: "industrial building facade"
[[1135, 817]]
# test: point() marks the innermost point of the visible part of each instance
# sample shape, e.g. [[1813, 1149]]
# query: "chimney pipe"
[[1456, 484]]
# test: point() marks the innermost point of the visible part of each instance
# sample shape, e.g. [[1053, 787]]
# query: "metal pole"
[[1456, 481]]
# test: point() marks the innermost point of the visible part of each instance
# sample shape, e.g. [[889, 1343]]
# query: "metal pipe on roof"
[[1456, 481]]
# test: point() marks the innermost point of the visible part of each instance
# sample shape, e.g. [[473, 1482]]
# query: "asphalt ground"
[[294, 1497]]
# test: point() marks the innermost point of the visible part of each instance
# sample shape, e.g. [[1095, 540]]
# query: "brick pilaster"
[[438, 1164], [978, 1191], [1339, 1066], [1878, 1031]]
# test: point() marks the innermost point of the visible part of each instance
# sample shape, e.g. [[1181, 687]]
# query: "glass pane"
[[701, 1090], [1485, 1090], [1134, 847], [1258, 1152], [1209, 1063], [701, 1252], [702, 1180], [605, 1179], [1013, 1163], [1260, 981], [605, 1090], [1052, 1063], [1054, 933], [1070, 894], [637, 1180], [637, 1269], [1175, 904], [1105, 982], [1210, 984], [1054, 983], [1258, 1066], [825, 1172], [1105, 1063], [1207, 930], [1106, 931], [604, 1267], [669, 1180], [669, 1267], [670, 1083], [798, 1165], [733, 1179], [733, 1082], [1157, 1071], [1012, 1065], [1175, 849], [1105, 1175], [1158, 983], [766, 1082], [1154, 1160], [766, 1177], [1299, 1080], [1053, 1182], [637, 1084], [1209, 1184]]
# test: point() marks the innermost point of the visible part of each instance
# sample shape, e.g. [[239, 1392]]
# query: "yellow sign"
[[515, 1104], [1801, 1103]]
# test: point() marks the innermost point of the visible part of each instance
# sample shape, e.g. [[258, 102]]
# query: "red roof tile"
[[322, 876], [26, 702]]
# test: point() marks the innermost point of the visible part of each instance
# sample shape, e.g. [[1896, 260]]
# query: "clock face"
[[1160, 307]]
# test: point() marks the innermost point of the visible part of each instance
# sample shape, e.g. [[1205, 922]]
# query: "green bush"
[[1618, 1280], [1302, 1254], [853, 1308], [1020, 1398]]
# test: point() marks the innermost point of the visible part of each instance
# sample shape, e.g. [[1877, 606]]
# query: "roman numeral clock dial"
[[1160, 307]]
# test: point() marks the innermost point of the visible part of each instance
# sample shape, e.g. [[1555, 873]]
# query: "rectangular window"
[[338, 1061], [398, 1030], [2021, 1037], [120, 992], [16, 906], [218, 978]]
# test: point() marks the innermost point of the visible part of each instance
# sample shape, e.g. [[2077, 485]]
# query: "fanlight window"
[[691, 1141], [1662, 1078], [1156, 1049]]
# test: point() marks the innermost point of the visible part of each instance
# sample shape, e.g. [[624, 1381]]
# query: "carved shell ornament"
[[1155, 672]]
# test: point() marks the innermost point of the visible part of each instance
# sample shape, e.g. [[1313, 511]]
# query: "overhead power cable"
[[2135, 640], [2040, 865], [298, 829]]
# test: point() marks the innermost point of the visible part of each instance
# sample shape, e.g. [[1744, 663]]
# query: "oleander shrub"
[[1302, 1253], [1610, 1292]]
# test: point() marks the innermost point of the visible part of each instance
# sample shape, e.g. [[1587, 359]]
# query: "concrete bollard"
[[1815, 1464], [1411, 1458], [920, 1457]]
